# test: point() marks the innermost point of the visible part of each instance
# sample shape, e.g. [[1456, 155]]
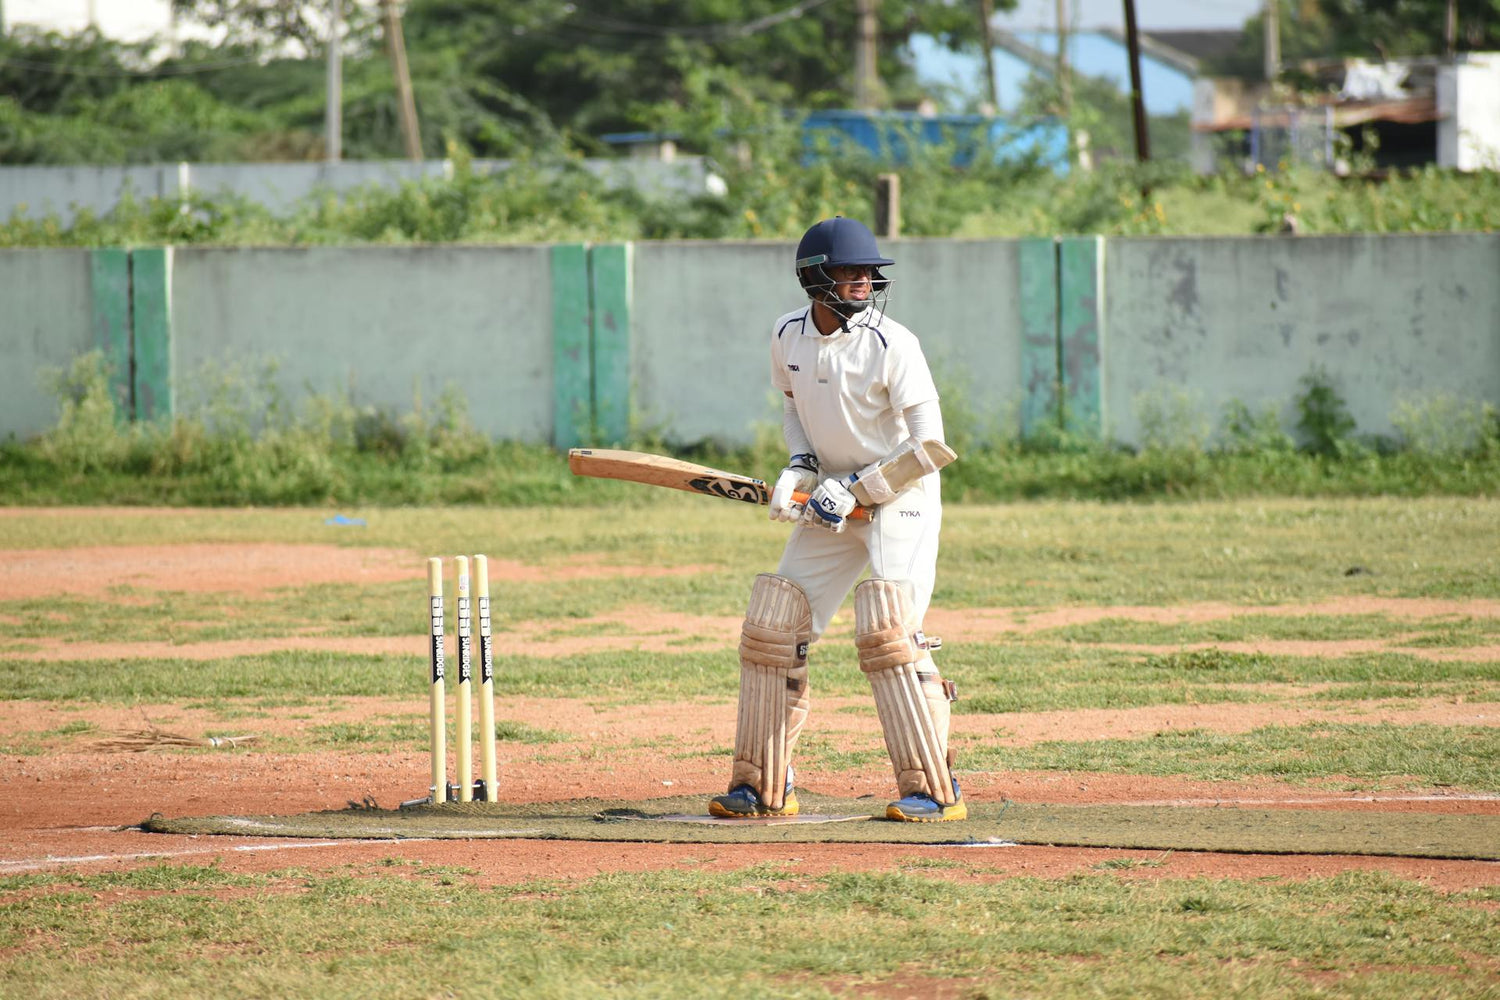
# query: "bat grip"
[[858, 513]]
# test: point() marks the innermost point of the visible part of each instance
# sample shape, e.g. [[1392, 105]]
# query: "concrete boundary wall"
[[702, 318], [573, 344], [388, 327], [1195, 323], [40, 191], [47, 319]]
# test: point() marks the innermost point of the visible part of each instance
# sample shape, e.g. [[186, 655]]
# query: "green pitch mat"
[[681, 819]]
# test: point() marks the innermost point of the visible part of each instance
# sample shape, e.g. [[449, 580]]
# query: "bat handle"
[[858, 513]]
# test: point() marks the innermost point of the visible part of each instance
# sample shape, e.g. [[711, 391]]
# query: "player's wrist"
[[806, 461]]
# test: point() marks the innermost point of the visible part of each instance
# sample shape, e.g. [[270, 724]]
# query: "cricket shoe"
[[742, 802], [923, 808]]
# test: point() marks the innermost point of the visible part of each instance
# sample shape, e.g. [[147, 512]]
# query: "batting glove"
[[829, 506], [800, 476]]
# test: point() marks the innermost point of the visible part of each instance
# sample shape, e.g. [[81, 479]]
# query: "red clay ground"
[[67, 806]]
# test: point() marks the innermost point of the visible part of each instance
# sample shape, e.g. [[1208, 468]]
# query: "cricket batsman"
[[858, 396]]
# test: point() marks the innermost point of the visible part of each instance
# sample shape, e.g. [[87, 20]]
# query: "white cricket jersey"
[[850, 386]]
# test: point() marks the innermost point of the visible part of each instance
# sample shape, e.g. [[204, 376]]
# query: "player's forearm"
[[797, 442], [924, 422]]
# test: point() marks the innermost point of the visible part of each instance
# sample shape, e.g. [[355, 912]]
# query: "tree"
[[48, 72], [1391, 28], [594, 66], [272, 24], [1101, 109], [1375, 29], [499, 77]]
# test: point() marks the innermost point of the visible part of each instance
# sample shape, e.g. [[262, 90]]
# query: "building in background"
[[1170, 64], [892, 137], [1396, 114]]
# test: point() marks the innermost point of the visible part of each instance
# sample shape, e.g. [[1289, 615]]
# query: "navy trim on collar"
[[875, 329], [795, 319]]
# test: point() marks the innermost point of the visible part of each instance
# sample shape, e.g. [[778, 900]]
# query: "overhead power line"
[[123, 73]]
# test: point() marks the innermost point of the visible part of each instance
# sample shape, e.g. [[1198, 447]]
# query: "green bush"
[[552, 197], [238, 442], [1323, 417]]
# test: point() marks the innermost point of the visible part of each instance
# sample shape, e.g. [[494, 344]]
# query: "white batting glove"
[[800, 476], [829, 506]]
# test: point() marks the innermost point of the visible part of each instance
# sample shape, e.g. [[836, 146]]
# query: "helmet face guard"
[[841, 242], [823, 287]]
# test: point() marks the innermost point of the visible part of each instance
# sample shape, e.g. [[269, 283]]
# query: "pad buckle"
[[931, 643]]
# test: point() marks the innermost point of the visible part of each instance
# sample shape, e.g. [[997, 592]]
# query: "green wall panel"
[[151, 315], [1040, 378], [1080, 321], [572, 367], [610, 288], [109, 287]]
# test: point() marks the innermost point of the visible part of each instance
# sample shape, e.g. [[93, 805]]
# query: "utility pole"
[[408, 104], [1273, 40], [1137, 98], [1450, 30], [333, 113], [866, 69], [992, 87], [174, 34], [1064, 81]]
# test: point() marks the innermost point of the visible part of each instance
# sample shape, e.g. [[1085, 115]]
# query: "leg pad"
[[912, 703], [773, 686]]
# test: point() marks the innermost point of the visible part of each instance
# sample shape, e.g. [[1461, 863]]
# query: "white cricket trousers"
[[900, 544]]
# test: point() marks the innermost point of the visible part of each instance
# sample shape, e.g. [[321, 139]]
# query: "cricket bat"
[[675, 474]]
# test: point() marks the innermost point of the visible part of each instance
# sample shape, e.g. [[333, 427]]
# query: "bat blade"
[[671, 473], [675, 474]]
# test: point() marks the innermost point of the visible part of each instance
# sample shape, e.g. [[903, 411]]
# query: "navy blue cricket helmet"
[[840, 242]]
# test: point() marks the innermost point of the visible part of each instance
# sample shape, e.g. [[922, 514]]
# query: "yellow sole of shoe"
[[715, 809], [954, 812]]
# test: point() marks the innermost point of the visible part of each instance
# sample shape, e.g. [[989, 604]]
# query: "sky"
[[136, 19], [128, 20], [1160, 14]]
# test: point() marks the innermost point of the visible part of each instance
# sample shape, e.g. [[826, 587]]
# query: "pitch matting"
[[682, 819]]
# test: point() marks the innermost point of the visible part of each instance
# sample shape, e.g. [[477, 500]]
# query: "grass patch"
[[824, 754], [1365, 756], [340, 611], [991, 677], [404, 734], [1017, 555], [1042, 677], [1458, 691], [1131, 864], [289, 678], [1240, 628], [1422, 633], [645, 934], [1459, 634], [34, 744]]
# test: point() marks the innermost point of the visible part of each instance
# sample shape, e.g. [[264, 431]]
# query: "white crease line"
[[990, 842], [32, 863], [1305, 802]]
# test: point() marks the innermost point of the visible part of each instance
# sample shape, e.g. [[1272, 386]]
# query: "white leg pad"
[[915, 725], [773, 686]]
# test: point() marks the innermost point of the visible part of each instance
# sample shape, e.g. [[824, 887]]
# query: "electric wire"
[[123, 72]]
